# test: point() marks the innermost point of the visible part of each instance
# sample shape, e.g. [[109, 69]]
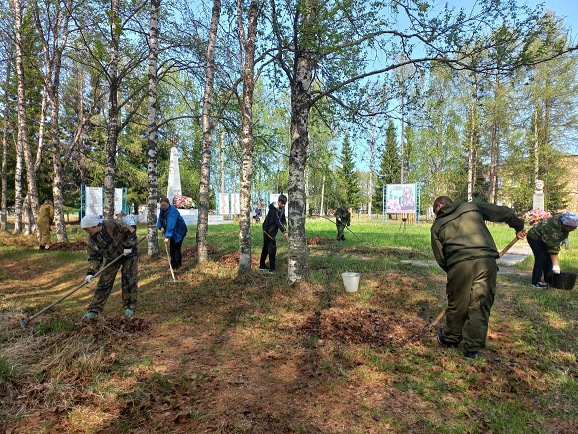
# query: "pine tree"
[[389, 169], [347, 176]]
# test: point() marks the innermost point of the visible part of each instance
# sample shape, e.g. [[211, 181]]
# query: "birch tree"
[[23, 139], [247, 146], [3, 204], [54, 41], [152, 236]]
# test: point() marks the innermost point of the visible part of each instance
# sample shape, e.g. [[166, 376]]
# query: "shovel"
[[24, 322], [443, 312]]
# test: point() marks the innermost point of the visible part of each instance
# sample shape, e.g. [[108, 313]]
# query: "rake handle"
[[170, 265], [24, 322]]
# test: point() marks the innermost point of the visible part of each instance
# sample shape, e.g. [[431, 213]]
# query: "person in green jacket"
[[465, 250], [343, 217], [544, 238]]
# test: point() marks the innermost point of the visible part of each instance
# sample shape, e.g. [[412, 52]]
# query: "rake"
[[24, 322], [171, 267]]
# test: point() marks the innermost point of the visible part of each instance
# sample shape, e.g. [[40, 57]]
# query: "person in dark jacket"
[[108, 240], [173, 227], [342, 219], [544, 238], [274, 221], [465, 250]]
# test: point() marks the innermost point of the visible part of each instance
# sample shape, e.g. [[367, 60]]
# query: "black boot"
[[42, 248]]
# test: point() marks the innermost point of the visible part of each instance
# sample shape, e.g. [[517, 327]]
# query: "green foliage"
[[347, 177], [389, 169]]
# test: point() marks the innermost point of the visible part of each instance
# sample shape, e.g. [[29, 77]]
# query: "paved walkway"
[[516, 254]]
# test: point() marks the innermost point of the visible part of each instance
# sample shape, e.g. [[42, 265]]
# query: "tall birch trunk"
[[300, 105], [18, 188], [111, 142], [41, 128], [471, 153], [4, 203], [494, 146], [247, 136], [536, 146], [402, 136], [153, 180], [372, 141], [321, 210], [205, 172], [22, 123], [53, 65]]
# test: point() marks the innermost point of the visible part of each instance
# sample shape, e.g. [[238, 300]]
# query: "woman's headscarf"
[[569, 219]]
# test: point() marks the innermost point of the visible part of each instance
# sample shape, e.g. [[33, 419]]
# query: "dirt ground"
[[247, 354]]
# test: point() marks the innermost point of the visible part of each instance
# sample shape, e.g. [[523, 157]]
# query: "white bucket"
[[351, 281]]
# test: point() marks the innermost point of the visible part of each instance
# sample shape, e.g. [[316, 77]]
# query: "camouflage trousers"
[[340, 229], [106, 281]]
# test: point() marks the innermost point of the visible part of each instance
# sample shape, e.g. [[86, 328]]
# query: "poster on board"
[[236, 203], [400, 198], [95, 203], [224, 203]]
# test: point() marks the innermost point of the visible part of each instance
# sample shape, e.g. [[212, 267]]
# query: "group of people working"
[[461, 242]]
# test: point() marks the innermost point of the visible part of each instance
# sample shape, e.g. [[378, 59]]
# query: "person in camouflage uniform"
[[107, 241], [45, 218], [343, 218], [465, 250], [544, 238]]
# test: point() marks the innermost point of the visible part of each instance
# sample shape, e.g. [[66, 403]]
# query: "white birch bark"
[[300, 105], [205, 172], [153, 182], [22, 122], [111, 142], [372, 141], [4, 203], [53, 62], [247, 134]]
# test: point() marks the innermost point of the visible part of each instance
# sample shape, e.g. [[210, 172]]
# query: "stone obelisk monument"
[[174, 184]]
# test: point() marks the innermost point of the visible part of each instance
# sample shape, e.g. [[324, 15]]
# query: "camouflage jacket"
[[550, 232], [109, 243], [344, 216], [45, 214]]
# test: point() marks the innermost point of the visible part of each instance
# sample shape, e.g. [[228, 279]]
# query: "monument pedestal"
[[190, 216]]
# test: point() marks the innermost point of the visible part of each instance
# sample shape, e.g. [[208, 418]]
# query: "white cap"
[[89, 221]]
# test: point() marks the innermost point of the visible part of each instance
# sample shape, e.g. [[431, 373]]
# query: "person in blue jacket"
[[173, 228]]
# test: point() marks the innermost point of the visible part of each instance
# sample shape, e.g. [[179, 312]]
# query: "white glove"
[[88, 278], [556, 269], [127, 252]]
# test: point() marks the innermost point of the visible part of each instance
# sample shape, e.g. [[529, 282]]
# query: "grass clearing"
[[243, 354]]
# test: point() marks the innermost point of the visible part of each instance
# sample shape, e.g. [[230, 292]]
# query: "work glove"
[[88, 278], [556, 269], [127, 252], [166, 241]]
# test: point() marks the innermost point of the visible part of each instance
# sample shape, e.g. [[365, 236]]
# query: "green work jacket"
[[459, 232]]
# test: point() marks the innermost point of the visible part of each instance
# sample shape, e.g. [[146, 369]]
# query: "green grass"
[[228, 353]]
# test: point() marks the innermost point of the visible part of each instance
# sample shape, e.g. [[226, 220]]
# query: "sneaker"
[[540, 285], [263, 268], [471, 354], [442, 341], [90, 314], [128, 312]]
